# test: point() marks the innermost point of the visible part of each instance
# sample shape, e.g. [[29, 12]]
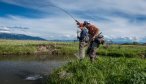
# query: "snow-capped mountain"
[[126, 39]]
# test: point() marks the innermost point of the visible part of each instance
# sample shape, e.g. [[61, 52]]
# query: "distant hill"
[[18, 36]]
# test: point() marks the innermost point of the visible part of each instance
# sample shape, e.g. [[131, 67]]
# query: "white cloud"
[[65, 27], [127, 6], [61, 25], [42, 27], [121, 27]]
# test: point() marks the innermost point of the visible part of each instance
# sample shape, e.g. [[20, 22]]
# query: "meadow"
[[25, 47]]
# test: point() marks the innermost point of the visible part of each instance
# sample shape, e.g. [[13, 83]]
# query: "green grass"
[[123, 51], [21, 47], [105, 70], [10, 47]]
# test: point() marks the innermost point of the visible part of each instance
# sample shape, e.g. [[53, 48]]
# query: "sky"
[[114, 18]]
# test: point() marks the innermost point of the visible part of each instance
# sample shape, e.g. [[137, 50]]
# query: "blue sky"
[[115, 18]]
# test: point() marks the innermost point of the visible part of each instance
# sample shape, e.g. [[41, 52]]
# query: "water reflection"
[[34, 57], [16, 69]]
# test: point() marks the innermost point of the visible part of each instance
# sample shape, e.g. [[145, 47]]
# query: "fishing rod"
[[66, 12], [48, 3]]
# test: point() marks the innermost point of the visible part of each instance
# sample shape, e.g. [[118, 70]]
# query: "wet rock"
[[93, 81], [65, 75], [33, 77]]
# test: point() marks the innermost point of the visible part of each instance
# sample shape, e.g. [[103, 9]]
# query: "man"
[[95, 41], [83, 39]]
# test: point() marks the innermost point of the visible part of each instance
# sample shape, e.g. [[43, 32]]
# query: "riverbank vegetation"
[[105, 70], [28, 47]]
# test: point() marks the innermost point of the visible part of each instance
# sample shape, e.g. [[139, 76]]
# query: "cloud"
[[18, 27], [13, 27], [121, 27], [44, 27], [4, 29], [126, 6], [115, 18], [134, 11]]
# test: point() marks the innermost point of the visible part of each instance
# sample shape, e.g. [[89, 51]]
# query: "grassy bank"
[[10, 47], [105, 70], [28, 47], [123, 51]]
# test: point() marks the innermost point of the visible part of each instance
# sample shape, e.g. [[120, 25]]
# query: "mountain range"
[[118, 40], [18, 36]]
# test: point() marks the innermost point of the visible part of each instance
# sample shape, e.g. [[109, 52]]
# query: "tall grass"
[[67, 48], [21, 47], [9, 47], [105, 70], [123, 51]]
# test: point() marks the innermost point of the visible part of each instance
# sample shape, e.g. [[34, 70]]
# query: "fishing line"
[[63, 10]]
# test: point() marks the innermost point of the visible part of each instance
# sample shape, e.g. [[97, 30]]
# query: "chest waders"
[[83, 40]]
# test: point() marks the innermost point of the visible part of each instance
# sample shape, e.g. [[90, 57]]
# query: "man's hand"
[[78, 37], [78, 23]]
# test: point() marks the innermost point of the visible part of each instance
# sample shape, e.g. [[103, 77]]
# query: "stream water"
[[28, 69]]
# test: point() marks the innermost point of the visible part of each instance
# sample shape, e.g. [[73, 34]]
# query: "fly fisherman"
[[95, 38], [83, 37]]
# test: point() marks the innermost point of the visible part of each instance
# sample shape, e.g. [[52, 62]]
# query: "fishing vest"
[[84, 35]]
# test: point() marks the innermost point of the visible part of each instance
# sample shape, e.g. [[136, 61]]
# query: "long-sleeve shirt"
[[92, 30]]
